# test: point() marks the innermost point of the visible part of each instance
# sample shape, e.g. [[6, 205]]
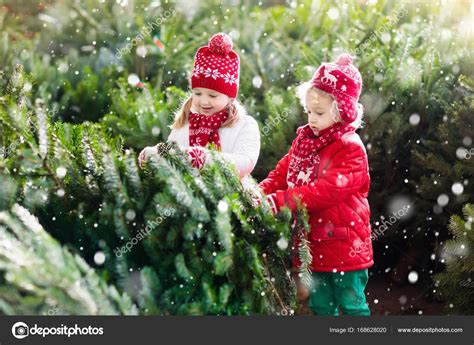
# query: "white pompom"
[[344, 59]]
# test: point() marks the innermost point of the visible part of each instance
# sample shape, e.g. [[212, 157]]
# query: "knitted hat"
[[342, 80], [216, 66]]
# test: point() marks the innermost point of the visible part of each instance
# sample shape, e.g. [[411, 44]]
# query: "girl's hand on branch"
[[146, 153]]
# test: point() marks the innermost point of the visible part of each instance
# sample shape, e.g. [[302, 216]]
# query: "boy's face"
[[208, 102], [320, 113]]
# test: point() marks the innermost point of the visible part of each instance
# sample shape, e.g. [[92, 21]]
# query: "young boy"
[[327, 169]]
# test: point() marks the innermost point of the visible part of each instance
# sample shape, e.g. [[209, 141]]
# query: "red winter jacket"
[[339, 213]]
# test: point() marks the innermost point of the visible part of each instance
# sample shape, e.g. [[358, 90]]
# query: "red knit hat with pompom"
[[342, 80], [216, 66]]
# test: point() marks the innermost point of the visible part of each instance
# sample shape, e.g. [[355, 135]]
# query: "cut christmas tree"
[[174, 239]]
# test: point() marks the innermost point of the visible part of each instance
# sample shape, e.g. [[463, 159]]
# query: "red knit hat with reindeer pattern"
[[342, 80], [216, 66]]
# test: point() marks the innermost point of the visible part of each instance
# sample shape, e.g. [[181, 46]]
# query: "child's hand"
[[146, 153], [257, 197], [271, 200], [302, 292]]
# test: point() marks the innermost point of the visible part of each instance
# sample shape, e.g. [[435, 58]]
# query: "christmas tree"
[[442, 187], [39, 277], [456, 284], [176, 240]]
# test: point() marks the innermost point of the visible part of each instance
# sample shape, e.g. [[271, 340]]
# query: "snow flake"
[[282, 243], [414, 119], [99, 258], [198, 70], [413, 277], [257, 82], [61, 172], [333, 13], [222, 206], [133, 79], [443, 200], [211, 73], [457, 188], [229, 79]]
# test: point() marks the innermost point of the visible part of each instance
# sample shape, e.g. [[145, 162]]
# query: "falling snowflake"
[[414, 119], [413, 277], [99, 258], [63, 67], [277, 99], [282, 243], [457, 188], [403, 299], [257, 82], [333, 13], [61, 172], [141, 51], [222, 206], [130, 214], [467, 141], [155, 131], [401, 205], [462, 153], [443, 200], [133, 79]]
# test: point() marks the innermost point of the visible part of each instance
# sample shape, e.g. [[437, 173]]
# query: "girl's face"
[[208, 102], [321, 112]]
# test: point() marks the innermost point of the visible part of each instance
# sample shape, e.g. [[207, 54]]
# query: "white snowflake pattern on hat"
[[212, 73], [229, 78], [197, 70]]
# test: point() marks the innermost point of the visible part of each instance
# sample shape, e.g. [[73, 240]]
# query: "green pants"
[[332, 290]]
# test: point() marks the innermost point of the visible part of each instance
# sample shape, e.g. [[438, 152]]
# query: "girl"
[[327, 169], [212, 115]]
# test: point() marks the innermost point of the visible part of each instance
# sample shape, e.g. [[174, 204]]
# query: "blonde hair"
[[303, 89], [235, 109]]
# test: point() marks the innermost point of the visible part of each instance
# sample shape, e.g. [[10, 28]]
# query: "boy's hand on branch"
[[270, 199]]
